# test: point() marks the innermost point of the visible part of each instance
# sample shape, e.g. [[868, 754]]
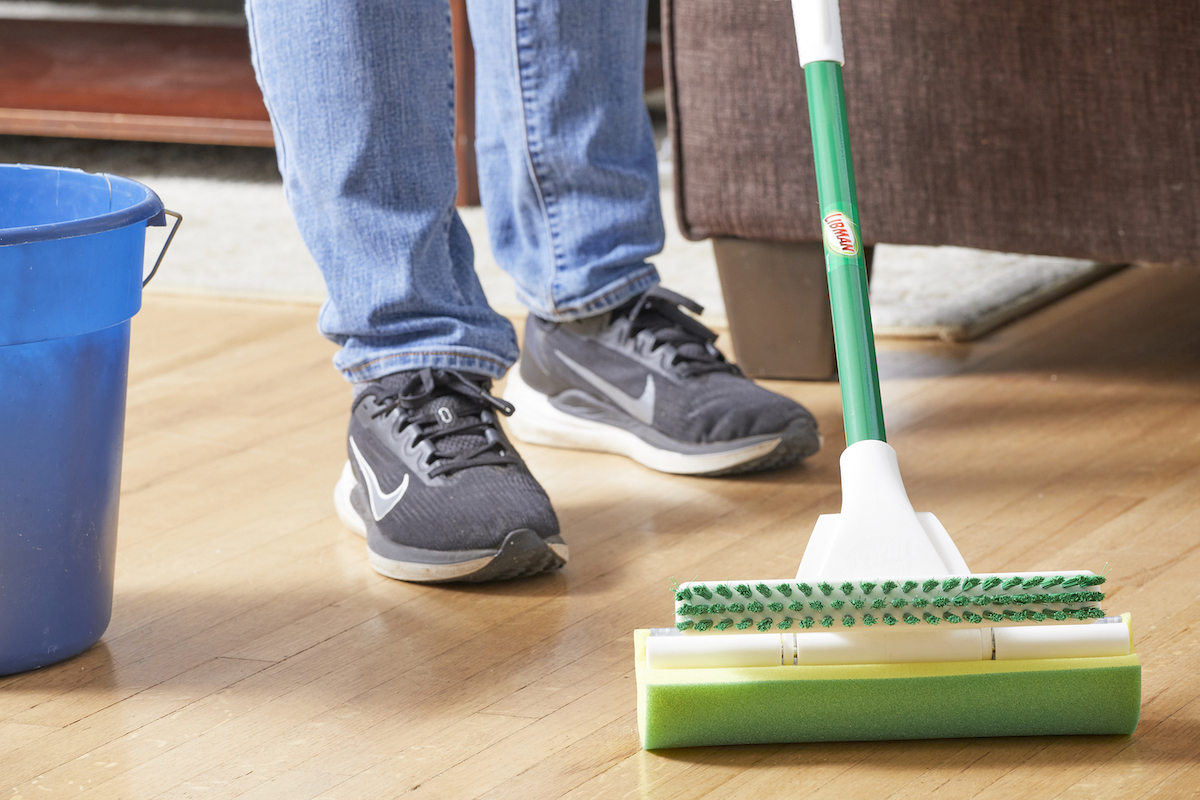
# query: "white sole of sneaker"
[[537, 421], [410, 571]]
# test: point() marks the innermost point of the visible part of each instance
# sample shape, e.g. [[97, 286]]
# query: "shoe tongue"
[[449, 411]]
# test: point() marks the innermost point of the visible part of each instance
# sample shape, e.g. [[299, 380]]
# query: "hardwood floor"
[[254, 654]]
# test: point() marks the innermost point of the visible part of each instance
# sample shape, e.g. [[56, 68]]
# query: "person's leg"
[[361, 96], [567, 168], [570, 185], [362, 99]]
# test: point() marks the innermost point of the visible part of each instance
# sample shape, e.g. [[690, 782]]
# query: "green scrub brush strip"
[[964, 600]]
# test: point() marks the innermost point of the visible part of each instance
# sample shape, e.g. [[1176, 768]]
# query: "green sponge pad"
[[688, 707]]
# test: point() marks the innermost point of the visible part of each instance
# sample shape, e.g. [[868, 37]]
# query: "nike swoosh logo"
[[381, 503], [640, 408]]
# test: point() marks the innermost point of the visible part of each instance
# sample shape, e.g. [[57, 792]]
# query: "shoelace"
[[657, 311], [418, 393]]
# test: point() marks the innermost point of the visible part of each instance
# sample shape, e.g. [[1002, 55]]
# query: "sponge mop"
[[884, 633]]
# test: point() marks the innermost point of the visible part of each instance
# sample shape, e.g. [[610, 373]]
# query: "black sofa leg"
[[777, 303]]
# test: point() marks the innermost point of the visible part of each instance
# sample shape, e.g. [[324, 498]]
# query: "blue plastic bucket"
[[71, 254]]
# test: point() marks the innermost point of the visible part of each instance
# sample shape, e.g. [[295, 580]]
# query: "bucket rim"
[[148, 209]]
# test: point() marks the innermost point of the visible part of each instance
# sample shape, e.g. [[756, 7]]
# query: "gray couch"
[[1055, 127]]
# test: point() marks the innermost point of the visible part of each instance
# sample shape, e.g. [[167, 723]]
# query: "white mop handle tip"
[[818, 31]]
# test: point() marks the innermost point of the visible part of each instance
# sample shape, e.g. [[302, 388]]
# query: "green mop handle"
[[819, 37]]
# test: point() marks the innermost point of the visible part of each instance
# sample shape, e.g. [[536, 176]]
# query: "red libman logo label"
[[840, 235]]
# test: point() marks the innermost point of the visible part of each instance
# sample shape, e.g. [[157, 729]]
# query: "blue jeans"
[[361, 95]]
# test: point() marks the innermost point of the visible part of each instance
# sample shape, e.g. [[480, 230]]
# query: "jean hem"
[[599, 302], [436, 359]]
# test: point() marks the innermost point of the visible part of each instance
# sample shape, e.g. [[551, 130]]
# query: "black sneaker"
[[436, 488], [646, 381]]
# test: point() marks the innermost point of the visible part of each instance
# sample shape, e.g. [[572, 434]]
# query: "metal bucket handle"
[[159, 220]]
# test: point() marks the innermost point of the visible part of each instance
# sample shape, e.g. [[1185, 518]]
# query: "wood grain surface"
[[254, 654]]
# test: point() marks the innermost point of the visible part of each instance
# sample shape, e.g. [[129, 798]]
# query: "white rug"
[[959, 294], [238, 239]]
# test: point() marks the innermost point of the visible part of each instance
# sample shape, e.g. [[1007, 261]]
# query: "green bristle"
[[930, 618], [1059, 615], [920, 602], [1074, 580], [1011, 582], [868, 620], [909, 586], [785, 623], [866, 587], [816, 605], [1036, 580], [763, 589], [990, 583], [1037, 616], [754, 607], [795, 605], [878, 602], [929, 585], [887, 586], [683, 626], [765, 624], [1021, 599], [858, 603], [836, 604], [1096, 580], [723, 624], [1096, 613], [949, 584], [999, 599], [1083, 613], [848, 621], [746, 623], [888, 619], [723, 590], [909, 619], [1015, 616], [776, 607], [953, 619], [1055, 581], [941, 602], [972, 617], [703, 591], [703, 624], [970, 583], [805, 589], [696, 611], [683, 595], [981, 600], [826, 622], [994, 617], [899, 602], [784, 589], [826, 588], [735, 608], [744, 590], [806, 623], [847, 588], [961, 600], [716, 608]]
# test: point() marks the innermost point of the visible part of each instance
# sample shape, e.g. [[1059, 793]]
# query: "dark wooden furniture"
[[175, 83]]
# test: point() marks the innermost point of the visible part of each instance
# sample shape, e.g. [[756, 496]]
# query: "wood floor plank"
[[253, 653]]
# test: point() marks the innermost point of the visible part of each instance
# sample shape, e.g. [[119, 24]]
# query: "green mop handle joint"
[[819, 38]]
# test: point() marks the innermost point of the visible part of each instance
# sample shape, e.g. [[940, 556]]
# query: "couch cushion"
[[1069, 128]]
